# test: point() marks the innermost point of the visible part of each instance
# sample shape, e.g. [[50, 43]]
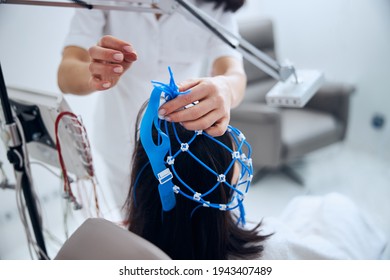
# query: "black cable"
[[83, 4], [5, 101]]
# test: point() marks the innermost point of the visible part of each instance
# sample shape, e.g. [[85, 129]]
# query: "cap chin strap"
[[157, 153]]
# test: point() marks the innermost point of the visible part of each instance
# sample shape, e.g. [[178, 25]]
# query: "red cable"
[[67, 188]]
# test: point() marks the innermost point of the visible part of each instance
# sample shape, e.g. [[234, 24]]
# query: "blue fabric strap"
[[156, 153]]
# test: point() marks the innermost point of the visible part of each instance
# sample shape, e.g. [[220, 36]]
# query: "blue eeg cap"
[[162, 159]]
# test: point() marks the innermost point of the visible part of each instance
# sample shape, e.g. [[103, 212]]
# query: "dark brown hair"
[[206, 233]]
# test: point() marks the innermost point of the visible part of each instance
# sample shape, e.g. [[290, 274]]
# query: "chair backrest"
[[99, 239], [258, 32]]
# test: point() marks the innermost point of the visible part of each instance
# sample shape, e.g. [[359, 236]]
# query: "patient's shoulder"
[[322, 227]]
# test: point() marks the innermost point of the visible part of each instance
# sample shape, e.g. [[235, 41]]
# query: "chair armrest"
[[261, 125], [100, 239], [333, 98], [255, 112]]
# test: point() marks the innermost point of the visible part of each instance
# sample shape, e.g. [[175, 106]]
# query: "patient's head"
[[193, 228]]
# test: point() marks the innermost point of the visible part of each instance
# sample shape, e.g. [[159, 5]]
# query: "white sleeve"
[[86, 28], [217, 48]]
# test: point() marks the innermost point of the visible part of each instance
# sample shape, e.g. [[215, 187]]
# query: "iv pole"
[[15, 156]]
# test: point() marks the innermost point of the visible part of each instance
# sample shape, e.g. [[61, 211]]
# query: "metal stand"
[[15, 156]]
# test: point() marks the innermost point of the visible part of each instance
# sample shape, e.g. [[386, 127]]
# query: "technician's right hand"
[[99, 68], [111, 57]]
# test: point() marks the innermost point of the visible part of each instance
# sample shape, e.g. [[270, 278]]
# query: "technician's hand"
[[110, 58], [211, 114]]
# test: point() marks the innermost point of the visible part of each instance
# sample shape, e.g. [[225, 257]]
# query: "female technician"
[[120, 52]]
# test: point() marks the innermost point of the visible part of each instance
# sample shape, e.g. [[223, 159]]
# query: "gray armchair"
[[279, 136]]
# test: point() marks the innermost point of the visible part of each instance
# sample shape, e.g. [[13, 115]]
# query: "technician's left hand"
[[211, 114]]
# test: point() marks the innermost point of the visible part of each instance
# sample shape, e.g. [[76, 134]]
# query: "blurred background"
[[348, 40]]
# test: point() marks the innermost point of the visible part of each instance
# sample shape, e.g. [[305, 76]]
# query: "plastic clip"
[[197, 196], [184, 147], [170, 160], [176, 189], [222, 207], [221, 178], [236, 155], [164, 176]]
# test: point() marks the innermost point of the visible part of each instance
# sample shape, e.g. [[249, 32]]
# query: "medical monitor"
[[37, 113]]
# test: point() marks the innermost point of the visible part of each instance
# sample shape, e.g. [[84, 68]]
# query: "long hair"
[[188, 231], [228, 5]]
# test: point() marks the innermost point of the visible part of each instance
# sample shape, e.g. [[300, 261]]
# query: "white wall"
[[31, 44], [31, 40], [348, 39]]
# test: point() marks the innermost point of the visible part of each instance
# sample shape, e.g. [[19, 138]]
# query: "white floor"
[[363, 177]]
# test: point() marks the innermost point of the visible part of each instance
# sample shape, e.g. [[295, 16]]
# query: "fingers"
[[101, 54], [207, 97], [98, 84], [110, 59], [198, 92], [187, 85], [208, 124], [218, 129], [209, 108], [117, 47], [194, 111]]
